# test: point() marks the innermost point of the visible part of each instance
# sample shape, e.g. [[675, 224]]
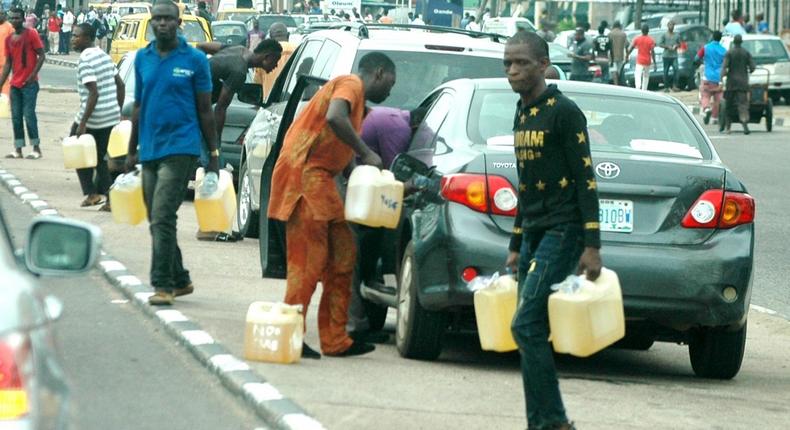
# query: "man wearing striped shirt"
[[101, 97]]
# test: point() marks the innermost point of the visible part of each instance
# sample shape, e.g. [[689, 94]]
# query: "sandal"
[[13, 155], [33, 155], [91, 200]]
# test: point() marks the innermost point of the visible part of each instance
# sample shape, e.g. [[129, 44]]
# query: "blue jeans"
[[23, 112], [546, 258], [673, 63], [164, 187]]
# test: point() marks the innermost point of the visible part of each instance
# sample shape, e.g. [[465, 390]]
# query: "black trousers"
[[96, 180]]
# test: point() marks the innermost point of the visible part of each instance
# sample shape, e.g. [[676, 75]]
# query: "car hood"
[[18, 304]]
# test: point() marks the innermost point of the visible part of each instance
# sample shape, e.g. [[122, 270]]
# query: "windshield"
[[237, 16], [420, 72], [124, 10], [558, 53], [265, 21], [766, 51], [615, 124], [228, 30], [192, 30]]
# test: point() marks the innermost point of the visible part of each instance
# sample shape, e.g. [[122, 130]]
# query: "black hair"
[[375, 60], [201, 5], [717, 36], [535, 43], [736, 14], [645, 29], [617, 25], [269, 46], [88, 30], [737, 40]]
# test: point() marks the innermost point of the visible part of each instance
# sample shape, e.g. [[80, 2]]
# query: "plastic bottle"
[[274, 332], [126, 195], [79, 152], [588, 319], [495, 306], [118, 144], [215, 200], [373, 198]]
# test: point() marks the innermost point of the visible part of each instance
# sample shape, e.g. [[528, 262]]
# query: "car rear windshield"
[[616, 124], [123, 11], [766, 51], [266, 21], [238, 16], [191, 30], [420, 72], [228, 30]]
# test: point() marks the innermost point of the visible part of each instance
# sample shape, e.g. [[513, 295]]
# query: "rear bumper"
[[675, 286]]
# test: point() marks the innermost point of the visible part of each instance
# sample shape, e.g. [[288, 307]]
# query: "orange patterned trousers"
[[321, 251]]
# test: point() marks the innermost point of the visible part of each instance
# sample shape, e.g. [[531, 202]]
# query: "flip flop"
[[13, 155], [33, 156]]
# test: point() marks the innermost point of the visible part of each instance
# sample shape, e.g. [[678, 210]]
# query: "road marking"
[[171, 316], [112, 266], [28, 196], [228, 363], [48, 212], [119, 301], [20, 190], [763, 310], [38, 204], [302, 422], [144, 296], [262, 392], [13, 182], [197, 337]]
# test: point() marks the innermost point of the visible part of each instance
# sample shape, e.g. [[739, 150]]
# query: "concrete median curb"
[[59, 62], [273, 407]]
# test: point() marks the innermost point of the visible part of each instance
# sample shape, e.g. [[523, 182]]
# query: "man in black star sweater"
[[556, 230]]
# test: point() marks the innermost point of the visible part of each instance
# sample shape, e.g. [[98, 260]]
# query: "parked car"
[[680, 18], [238, 115], [693, 37], [677, 223], [769, 53], [435, 56], [266, 20], [507, 26], [33, 390], [229, 32], [242, 14], [135, 32]]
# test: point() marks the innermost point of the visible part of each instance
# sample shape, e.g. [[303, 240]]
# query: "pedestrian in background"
[[556, 231], [101, 93], [618, 43], [747, 26], [24, 58], [465, 20], [670, 42], [6, 30], [762, 24], [53, 33], [737, 66], [473, 25], [645, 56], [581, 54], [712, 56], [255, 35], [279, 32], [319, 145], [66, 29], [204, 13], [31, 20], [171, 119], [735, 27], [602, 47]]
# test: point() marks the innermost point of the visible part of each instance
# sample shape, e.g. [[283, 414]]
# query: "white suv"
[[771, 54], [424, 57]]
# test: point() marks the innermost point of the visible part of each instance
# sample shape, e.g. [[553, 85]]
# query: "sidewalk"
[[466, 388], [69, 60]]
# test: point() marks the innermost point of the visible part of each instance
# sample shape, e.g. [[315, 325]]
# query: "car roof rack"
[[440, 29], [359, 27]]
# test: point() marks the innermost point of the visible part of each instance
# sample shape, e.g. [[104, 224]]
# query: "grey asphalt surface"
[[123, 372], [58, 76]]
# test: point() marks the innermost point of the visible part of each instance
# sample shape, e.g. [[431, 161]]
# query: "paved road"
[[467, 388], [124, 373], [58, 76]]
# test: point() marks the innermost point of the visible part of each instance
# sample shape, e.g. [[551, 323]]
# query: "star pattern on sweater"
[[582, 138], [591, 184], [522, 187], [551, 101], [540, 185], [522, 119], [563, 182], [587, 161], [534, 111]]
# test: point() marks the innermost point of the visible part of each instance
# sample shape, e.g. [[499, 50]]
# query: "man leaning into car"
[[556, 231]]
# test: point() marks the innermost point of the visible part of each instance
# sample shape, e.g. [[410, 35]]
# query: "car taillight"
[[14, 353], [481, 193], [720, 209]]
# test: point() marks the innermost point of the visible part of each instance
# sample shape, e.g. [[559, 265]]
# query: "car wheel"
[[769, 115], [716, 352], [418, 333], [246, 218]]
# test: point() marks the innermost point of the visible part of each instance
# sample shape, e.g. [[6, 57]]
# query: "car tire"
[[716, 352], [769, 116], [246, 217], [418, 332]]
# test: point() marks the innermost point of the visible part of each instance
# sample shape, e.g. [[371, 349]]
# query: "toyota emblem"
[[607, 170]]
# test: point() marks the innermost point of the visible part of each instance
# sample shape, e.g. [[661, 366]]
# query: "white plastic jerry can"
[[590, 319], [274, 332], [373, 197], [495, 307], [79, 152], [5, 106], [126, 195], [215, 211], [118, 144]]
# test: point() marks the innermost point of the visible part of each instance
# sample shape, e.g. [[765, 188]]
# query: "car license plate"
[[616, 215]]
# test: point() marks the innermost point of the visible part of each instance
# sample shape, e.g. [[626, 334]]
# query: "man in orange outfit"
[[6, 30], [320, 143]]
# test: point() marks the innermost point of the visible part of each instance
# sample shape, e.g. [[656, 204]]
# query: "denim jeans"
[[23, 112], [670, 63], [164, 187], [100, 182], [546, 258]]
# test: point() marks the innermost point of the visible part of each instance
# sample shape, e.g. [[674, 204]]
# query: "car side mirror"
[[251, 94], [59, 246]]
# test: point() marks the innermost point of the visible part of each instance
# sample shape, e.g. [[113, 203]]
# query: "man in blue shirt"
[[172, 115], [712, 55]]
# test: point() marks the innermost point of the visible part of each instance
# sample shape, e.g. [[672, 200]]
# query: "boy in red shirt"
[[645, 56], [53, 25], [24, 57]]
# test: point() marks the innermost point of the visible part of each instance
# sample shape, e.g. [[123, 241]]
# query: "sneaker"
[[161, 298], [14, 154], [706, 118], [308, 352], [35, 155], [183, 291], [746, 129], [357, 348], [92, 200], [105, 207]]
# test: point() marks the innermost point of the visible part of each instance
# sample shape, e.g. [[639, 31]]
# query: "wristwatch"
[[215, 153]]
